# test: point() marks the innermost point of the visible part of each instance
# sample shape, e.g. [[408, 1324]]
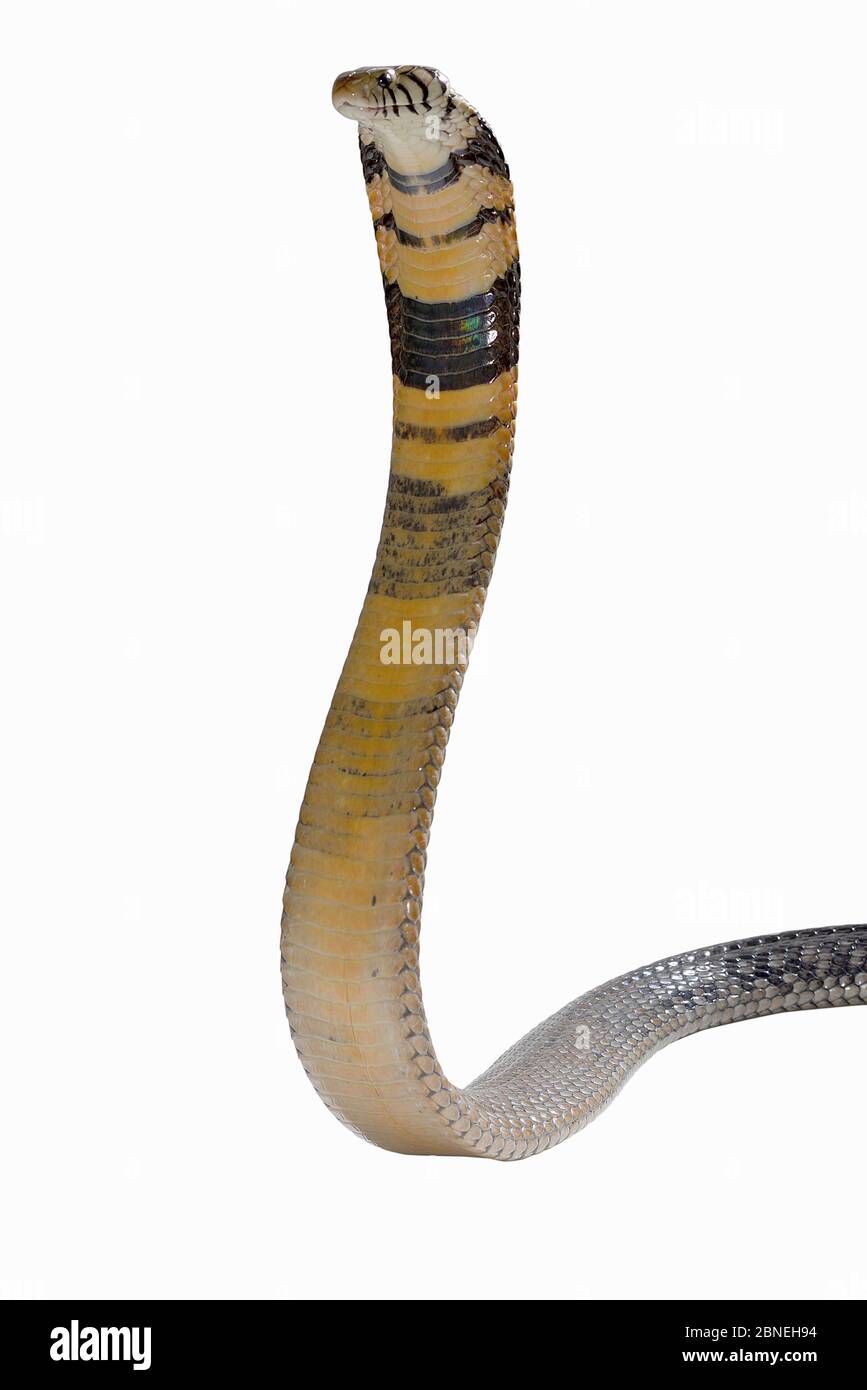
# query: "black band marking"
[[414, 184], [462, 343], [448, 434]]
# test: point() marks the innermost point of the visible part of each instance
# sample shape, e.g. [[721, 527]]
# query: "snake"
[[442, 203]]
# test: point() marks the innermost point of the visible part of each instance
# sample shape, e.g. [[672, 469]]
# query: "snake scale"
[[443, 213]]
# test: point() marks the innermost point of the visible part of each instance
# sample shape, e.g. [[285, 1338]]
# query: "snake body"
[[442, 204]]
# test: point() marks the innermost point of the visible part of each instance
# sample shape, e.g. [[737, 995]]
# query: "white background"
[[662, 739]]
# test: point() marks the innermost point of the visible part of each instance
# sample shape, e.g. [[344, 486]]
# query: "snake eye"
[[383, 79]]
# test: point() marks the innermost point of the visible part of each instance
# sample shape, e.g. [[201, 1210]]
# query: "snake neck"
[[444, 222], [445, 235]]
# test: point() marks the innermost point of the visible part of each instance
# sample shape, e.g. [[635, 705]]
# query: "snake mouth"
[[351, 109]]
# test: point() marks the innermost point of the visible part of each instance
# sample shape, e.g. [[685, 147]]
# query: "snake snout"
[[350, 93]]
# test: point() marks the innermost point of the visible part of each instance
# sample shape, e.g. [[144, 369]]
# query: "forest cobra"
[[442, 206]]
